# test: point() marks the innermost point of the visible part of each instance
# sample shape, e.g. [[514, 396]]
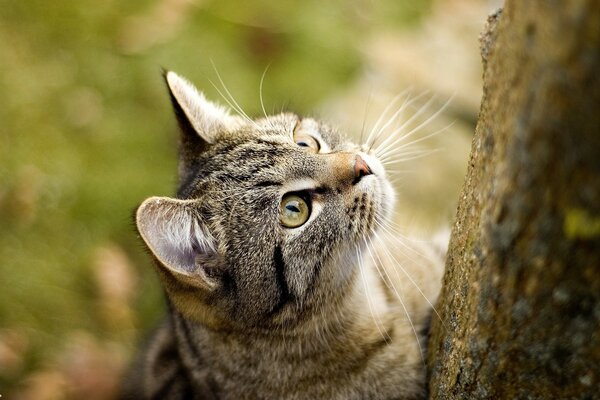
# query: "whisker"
[[412, 131], [396, 262], [366, 286], [233, 107], [408, 151], [391, 286], [394, 230], [383, 114], [390, 137], [376, 125], [260, 95], [408, 156], [396, 172], [362, 129], [389, 120], [405, 105], [237, 106], [395, 148]]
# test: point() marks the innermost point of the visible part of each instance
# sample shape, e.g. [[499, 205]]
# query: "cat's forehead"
[[286, 125]]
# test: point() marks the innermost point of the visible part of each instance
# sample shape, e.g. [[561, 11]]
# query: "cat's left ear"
[[193, 110], [179, 239]]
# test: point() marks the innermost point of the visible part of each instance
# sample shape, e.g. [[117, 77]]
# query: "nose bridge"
[[341, 167]]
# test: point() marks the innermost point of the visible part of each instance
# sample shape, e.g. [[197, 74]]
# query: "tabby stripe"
[[267, 183], [375, 348], [207, 387], [315, 276], [168, 385], [284, 291], [183, 324]]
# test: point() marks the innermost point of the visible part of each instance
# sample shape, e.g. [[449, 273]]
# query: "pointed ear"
[[177, 237], [195, 114]]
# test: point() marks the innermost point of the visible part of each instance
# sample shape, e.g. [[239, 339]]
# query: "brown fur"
[[333, 309]]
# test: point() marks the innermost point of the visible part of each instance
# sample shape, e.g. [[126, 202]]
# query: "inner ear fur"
[[178, 238]]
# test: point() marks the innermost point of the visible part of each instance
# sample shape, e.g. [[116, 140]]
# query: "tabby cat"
[[282, 277]]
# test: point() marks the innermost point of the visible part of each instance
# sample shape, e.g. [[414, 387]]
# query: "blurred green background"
[[86, 133]]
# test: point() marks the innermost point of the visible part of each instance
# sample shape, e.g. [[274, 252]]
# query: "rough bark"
[[520, 305]]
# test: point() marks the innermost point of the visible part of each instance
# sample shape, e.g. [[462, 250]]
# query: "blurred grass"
[[86, 133]]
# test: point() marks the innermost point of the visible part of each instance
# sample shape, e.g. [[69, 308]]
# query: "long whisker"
[[417, 128], [396, 148], [362, 129], [403, 107], [394, 230], [392, 136], [260, 94], [237, 106], [396, 262], [233, 107], [389, 120], [383, 114], [408, 156], [367, 291], [390, 285]]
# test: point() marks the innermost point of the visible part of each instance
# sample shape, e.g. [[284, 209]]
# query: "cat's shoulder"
[[158, 370]]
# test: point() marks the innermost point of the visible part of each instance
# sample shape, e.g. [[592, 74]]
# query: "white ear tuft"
[[207, 118], [174, 233]]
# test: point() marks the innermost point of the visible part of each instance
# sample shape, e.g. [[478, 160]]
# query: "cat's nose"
[[361, 168], [345, 168]]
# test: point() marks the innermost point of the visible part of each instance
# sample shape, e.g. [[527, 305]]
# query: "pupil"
[[292, 208], [302, 144]]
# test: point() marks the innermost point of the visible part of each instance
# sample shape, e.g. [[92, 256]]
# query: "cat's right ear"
[[199, 119], [178, 239]]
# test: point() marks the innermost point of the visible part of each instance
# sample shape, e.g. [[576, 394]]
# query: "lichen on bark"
[[520, 304]]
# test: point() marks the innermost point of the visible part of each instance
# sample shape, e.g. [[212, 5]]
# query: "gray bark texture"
[[519, 312]]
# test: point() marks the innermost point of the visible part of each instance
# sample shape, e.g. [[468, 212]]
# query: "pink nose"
[[361, 168]]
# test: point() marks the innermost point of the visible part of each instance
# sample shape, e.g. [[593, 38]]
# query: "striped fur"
[[333, 309]]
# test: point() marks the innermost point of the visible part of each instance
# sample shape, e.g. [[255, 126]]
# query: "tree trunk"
[[520, 304]]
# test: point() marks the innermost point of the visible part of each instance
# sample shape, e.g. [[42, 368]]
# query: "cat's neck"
[[358, 339], [362, 315]]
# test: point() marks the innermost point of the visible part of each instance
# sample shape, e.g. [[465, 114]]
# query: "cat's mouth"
[[371, 204], [378, 186]]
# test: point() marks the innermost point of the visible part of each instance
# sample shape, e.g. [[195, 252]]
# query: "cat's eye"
[[305, 140], [293, 211]]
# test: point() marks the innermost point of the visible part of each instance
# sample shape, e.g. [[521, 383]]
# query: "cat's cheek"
[[346, 265]]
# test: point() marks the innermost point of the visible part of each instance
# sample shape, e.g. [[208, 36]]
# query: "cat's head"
[[268, 218]]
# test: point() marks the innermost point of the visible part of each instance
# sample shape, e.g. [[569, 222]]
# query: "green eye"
[[307, 141], [293, 211]]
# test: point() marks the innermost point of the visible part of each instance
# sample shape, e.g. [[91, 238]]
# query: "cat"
[[282, 276]]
